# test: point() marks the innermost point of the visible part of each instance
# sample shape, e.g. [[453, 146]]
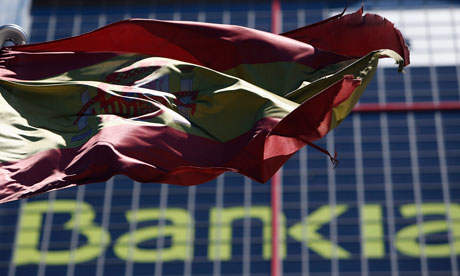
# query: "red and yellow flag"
[[179, 102]]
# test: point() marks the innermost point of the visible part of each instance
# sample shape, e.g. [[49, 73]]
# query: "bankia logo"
[[178, 228]]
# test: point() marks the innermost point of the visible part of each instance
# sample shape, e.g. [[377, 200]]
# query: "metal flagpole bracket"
[[12, 33]]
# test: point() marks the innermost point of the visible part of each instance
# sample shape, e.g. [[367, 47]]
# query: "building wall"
[[391, 207]]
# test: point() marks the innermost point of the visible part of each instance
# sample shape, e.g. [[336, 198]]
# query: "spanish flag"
[[179, 102]]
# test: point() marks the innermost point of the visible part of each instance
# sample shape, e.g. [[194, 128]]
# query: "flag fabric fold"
[[179, 102]]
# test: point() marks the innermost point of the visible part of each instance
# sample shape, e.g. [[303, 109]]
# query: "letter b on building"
[[82, 217]]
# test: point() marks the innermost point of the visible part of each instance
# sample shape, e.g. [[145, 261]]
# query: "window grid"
[[388, 182], [303, 171], [12, 265], [443, 170], [219, 206], [331, 183], [191, 202], [415, 170], [359, 168], [46, 234], [161, 226], [108, 191], [74, 236], [135, 198], [247, 227], [396, 148]]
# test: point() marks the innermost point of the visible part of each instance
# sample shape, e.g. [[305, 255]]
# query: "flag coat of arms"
[[179, 102]]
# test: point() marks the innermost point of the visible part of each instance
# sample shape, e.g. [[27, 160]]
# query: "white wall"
[[433, 33], [16, 12]]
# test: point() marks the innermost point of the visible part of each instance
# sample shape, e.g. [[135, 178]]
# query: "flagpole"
[[276, 14], [276, 179], [12, 33]]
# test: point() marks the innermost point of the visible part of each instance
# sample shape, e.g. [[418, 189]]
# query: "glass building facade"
[[391, 207]]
